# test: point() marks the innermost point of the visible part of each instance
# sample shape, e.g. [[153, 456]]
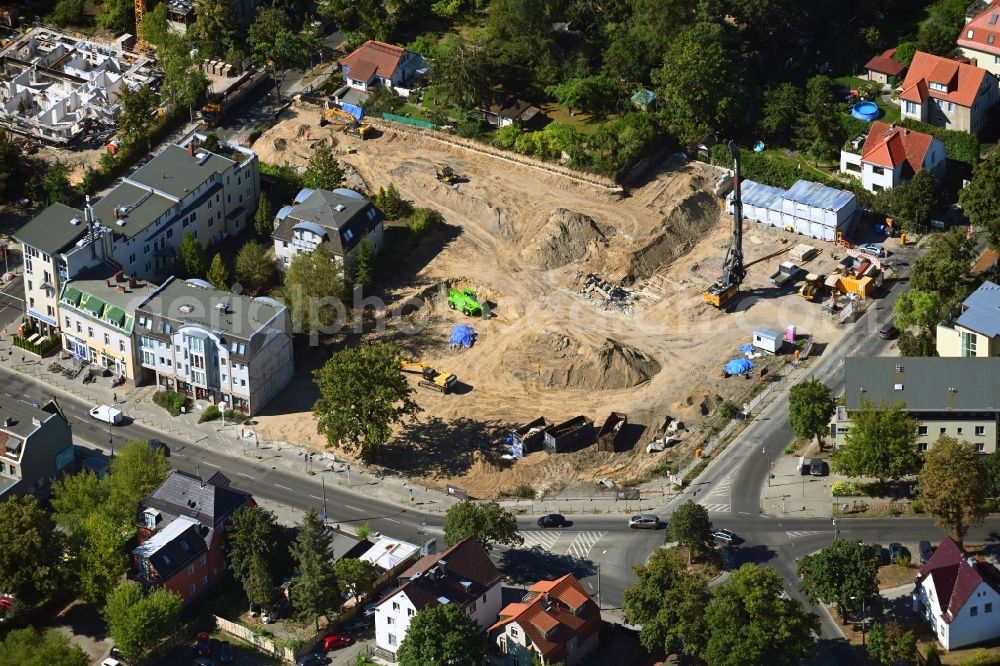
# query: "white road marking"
[[393, 520], [285, 487], [803, 533], [544, 539], [583, 543], [314, 497], [246, 476], [716, 508], [353, 507], [204, 462]]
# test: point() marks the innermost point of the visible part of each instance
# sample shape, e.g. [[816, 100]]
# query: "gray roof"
[[183, 302], [982, 310], [143, 208], [209, 501], [22, 413], [50, 231], [928, 384], [818, 195], [344, 227], [177, 173], [320, 207]]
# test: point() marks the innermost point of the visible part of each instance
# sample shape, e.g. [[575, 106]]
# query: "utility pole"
[[111, 439], [325, 515]]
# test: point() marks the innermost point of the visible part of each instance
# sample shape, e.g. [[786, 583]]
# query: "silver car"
[[644, 521]]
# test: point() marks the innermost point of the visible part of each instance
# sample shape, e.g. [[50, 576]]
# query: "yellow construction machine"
[[363, 132], [734, 271], [446, 174], [338, 114], [812, 289], [443, 382]]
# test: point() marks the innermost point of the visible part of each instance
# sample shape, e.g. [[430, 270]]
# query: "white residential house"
[[959, 596], [463, 575], [377, 63], [947, 93], [214, 346], [341, 219], [890, 155]]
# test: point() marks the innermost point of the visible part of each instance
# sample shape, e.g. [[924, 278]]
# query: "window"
[[50, 311], [30, 286], [980, 431], [921, 430], [974, 611], [980, 447], [193, 588], [190, 570], [472, 608], [988, 608], [392, 639], [204, 560], [484, 598], [878, 171], [910, 108], [391, 621], [121, 345], [395, 606], [90, 331], [170, 233], [150, 521], [959, 430], [513, 632], [204, 581], [67, 322], [27, 265], [410, 612], [107, 339], [970, 33], [940, 87], [942, 431], [923, 447]]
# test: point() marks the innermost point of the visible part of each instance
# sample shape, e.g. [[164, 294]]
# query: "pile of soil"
[[697, 405], [686, 225], [565, 238], [559, 360]]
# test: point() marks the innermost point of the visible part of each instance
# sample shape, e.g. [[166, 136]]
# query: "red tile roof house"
[[180, 533], [557, 621], [463, 575], [980, 39], [890, 155], [883, 67], [959, 596], [947, 93], [377, 63]]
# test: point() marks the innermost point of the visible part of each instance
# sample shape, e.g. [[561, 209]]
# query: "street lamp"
[[600, 600], [836, 532]]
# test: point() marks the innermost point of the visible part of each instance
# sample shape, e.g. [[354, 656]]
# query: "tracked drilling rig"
[[723, 292]]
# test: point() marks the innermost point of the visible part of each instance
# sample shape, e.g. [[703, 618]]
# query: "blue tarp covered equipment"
[[738, 366], [746, 349], [463, 334]]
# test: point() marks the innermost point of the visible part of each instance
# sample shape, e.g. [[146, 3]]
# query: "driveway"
[[83, 626]]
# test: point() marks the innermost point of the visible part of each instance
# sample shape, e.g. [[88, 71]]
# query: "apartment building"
[[36, 445], [340, 219], [958, 397], [976, 330], [214, 345], [97, 316]]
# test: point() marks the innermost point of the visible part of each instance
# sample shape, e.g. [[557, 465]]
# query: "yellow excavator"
[[812, 289], [446, 174], [443, 382], [338, 114], [363, 132]]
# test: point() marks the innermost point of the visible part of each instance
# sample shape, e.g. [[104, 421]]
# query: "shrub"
[[209, 414], [729, 410], [958, 146], [172, 401], [285, 174], [903, 560], [235, 416], [846, 489], [424, 219], [895, 510], [523, 491], [990, 505], [917, 505], [362, 531]]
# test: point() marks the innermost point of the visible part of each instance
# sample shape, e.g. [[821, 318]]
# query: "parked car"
[[888, 330], [895, 551], [313, 659], [644, 521], [357, 625], [203, 661], [203, 646], [552, 520], [724, 535], [874, 248], [336, 641], [226, 653], [926, 550], [107, 414], [816, 467]]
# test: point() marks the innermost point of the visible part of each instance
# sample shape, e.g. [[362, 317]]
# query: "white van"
[[107, 414]]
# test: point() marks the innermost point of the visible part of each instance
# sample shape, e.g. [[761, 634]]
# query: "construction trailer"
[[529, 437], [610, 434], [570, 435], [768, 340], [807, 208]]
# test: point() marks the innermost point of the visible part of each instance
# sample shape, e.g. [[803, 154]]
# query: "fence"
[[403, 120], [250, 636], [40, 348]]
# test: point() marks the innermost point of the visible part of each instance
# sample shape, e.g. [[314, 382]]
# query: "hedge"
[[958, 146], [209, 414], [42, 348], [172, 401]]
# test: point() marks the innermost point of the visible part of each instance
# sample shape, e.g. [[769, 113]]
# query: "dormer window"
[[969, 34], [150, 518], [940, 87]]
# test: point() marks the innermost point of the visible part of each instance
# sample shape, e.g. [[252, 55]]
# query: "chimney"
[[8, 422], [131, 283], [119, 276], [191, 148]]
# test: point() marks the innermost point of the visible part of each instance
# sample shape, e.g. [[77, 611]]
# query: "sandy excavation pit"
[[525, 239]]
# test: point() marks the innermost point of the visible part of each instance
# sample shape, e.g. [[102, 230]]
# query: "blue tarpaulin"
[[738, 366], [355, 111], [746, 348], [463, 334]]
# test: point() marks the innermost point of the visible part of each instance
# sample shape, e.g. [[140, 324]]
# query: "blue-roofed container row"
[[810, 209]]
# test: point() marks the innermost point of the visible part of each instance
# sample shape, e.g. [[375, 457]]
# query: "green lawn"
[[411, 111], [583, 122]]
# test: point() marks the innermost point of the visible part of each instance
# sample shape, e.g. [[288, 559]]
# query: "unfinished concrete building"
[[54, 87]]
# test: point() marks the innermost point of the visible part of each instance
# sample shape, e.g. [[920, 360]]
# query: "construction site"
[[56, 88], [595, 340]]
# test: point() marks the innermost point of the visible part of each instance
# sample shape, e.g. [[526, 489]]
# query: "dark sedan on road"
[[552, 520]]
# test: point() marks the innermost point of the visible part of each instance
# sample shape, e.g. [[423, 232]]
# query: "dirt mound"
[[559, 360], [567, 237], [687, 224], [697, 405]]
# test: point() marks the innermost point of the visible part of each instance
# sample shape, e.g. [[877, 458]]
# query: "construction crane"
[[140, 10], [443, 382], [733, 269]]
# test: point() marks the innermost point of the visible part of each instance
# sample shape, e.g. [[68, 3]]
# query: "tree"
[[66, 12], [914, 201], [191, 256], [937, 33], [669, 604], [255, 545], [820, 130], [918, 308], [882, 443], [991, 474], [703, 82], [316, 591], [920, 344], [889, 644], [953, 486], [313, 290], [382, 99], [273, 41], [364, 272], [136, 471], [594, 94], [31, 647], [136, 117], [945, 268], [782, 107], [810, 407], [691, 527], [263, 220], [844, 573], [11, 160], [118, 16], [103, 558], [905, 52], [442, 634], [138, 621], [254, 268], [52, 187], [750, 623], [980, 200], [31, 552], [391, 203], [218, 274], [215, 26], [356, 576], [487, 523], [363, 395], [323, 171], [462, 72], [76, 496]]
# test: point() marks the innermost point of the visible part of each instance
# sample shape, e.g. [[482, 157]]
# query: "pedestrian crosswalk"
[[577, 544], [717, 500], [716, 508], [796, 534]]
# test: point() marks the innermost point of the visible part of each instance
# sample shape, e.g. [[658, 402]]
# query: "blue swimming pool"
[[864, 110]]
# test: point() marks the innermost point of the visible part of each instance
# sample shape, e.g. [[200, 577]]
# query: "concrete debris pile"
[[610, 295]]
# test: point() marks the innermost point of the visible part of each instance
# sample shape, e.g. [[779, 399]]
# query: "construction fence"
[[403, 120]]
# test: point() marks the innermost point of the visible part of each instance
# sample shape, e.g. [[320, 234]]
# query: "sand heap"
[[687, 224], [560, 360], [567, 237], [697, 405]]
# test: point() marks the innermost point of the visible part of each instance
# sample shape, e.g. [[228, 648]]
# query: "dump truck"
[[787, 271], [466, 301], [570, 435], [221, 103], [431, 378], [812, 289]]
